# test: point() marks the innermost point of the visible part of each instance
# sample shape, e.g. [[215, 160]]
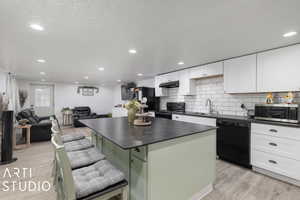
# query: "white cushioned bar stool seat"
[[99, 181], [84, 158], [95, 178], [78, 145], [72, 137]]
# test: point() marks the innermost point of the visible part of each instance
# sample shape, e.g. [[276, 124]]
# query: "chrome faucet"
[[209, 103]]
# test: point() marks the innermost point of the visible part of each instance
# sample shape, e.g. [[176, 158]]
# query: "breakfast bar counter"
[[169, 160]]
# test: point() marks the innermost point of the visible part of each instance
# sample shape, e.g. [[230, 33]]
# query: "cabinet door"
[[214, 69], [187, 86], [278, 70], [138, 179], [173, 76], [240, 75]]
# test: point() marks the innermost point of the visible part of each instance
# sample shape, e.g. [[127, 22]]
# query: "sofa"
[[84, 112], [40, 126]]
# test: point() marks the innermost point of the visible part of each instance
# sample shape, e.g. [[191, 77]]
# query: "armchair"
[[41, 126], [84, 112]]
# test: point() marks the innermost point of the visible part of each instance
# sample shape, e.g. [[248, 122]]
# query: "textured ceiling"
[[81, 35]]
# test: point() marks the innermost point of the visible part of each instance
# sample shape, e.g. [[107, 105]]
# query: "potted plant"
[[23, 95], [133, 107]]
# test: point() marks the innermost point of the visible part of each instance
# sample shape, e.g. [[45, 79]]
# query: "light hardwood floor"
[[233, 183]]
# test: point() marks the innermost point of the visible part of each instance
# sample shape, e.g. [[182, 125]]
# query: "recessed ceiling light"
[[140, 74], [132, 51], [42, 73], [41, 60], [101, 69], [290, 34], [36, 27], [119, 80], [86, 77], [180, 63]]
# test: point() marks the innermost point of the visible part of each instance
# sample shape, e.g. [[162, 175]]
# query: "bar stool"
[[68, 137], [100, 181]]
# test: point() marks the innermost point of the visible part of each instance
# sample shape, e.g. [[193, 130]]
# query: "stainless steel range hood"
[[171, 84]]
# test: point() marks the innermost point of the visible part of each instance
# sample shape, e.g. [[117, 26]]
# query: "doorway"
[[42, 99]]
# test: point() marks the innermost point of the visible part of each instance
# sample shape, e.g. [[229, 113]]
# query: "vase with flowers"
[[133, 107]]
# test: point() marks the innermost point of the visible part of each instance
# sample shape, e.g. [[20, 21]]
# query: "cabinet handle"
[[273, 144], [272, 161], [273, 130]]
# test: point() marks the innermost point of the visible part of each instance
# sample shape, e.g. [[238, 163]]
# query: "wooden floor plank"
[[233, 183]]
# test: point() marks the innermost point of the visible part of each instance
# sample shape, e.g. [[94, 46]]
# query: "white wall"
[[65, 95], [2, 82]]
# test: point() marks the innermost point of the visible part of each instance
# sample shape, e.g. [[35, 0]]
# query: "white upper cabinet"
[[173, 76], [160, 92], [187, 86], [240, 75], [279, 70], [214, 69]]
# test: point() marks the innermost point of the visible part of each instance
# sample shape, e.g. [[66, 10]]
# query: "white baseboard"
[[277, 176], [205, 191]]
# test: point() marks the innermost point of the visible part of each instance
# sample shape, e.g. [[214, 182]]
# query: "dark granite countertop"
[[118, 131], [235, 117], [276, 123], [217, 116]]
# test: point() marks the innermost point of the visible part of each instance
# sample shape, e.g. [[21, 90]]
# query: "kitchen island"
[[169, 160]]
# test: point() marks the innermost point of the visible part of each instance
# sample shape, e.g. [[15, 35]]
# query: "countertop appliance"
[[171, 107], [277, 112], [233, 141]]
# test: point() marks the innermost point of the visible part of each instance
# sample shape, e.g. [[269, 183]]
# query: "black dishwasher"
[[233, 141]]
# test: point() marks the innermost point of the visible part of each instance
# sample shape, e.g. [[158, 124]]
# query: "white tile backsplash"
[[227, 104]]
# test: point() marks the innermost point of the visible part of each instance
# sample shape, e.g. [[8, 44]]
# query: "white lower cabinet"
[[276, 145], [276, 149], [277, 164], [197, 120]]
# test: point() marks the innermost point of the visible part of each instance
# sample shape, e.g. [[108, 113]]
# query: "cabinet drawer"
[[279, 146], [140, 152], [277, 164], [197, 120], [276, 131]]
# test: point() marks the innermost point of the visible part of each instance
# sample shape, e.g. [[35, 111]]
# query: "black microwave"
[[277, 112]]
